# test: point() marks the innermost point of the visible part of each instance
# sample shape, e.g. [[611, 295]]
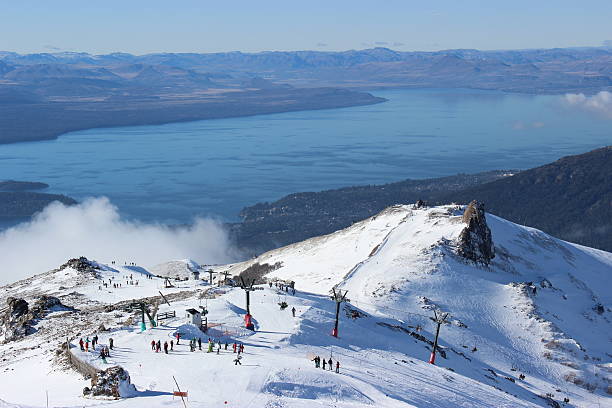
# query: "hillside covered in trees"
[[570, 199]]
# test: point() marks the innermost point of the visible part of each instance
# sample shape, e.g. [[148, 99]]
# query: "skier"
[[226, 346], [110, 343], [210, 346], [200, 343], [102, 355], [237, 360], [293, 311], [234, 346], [158, 346], [166, 347], [171, 345], [178, 337], [242, 348], [94, 341], [270, 283], [330, 364], [337, 367], [82, 344], [87, 344], [153, 345], [324, 364]]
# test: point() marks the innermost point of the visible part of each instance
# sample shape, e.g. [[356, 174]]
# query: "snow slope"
[[558, 336], [540, 309]]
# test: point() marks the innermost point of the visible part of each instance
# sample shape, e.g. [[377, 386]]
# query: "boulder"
[[17, 307], [113, 382]]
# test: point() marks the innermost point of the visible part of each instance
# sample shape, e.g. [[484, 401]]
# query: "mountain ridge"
[[527, 330]]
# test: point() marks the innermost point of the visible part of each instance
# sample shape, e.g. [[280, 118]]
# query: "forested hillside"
[[570, 199]]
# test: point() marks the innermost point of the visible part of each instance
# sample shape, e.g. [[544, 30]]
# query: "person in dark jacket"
[[330, 364], [111, 343]]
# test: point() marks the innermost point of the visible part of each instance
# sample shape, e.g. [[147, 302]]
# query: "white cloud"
[[94, 229], [600, 103]]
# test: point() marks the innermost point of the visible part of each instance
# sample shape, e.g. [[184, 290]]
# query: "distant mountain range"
[[570, 199], [534, 71], [45, 95]]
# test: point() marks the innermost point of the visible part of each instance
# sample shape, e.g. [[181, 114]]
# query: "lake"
[[171, 173]]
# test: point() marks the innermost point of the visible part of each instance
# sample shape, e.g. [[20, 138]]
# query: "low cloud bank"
[[600, 103], [95, 229]]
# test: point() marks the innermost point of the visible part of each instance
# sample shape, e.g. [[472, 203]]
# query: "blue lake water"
[[171, 173]]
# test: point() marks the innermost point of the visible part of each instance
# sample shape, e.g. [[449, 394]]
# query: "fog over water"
[[95, 229], [172, 173]]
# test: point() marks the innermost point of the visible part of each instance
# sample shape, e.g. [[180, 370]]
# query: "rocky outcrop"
[[20, 317], [80, 264], [14, 322], [113, 382], [475, 241]]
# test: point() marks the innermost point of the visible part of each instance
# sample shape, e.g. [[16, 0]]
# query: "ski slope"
[[397, 267]]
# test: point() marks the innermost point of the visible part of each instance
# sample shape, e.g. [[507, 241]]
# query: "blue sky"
[[209, 26]]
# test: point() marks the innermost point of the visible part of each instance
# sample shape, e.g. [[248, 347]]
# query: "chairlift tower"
[[248, 289], [440, 319], [144, 310], [338, 298], [225, 275], [210, 276]]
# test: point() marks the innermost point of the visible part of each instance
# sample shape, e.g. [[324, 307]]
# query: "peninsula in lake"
[[45, 95]]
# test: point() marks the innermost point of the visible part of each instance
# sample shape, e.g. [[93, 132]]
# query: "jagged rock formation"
[[112, 382], [80, 264], [19, 319], [475, 241], [14, 323]]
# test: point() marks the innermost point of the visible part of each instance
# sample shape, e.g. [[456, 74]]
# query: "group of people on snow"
[[329, 363], [84, 344], [104, 350], [196, 344]]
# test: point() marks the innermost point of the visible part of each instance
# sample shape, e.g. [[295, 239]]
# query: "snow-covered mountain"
[[528, 322]]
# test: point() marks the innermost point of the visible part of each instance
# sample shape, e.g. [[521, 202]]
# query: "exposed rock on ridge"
[[475, 241]]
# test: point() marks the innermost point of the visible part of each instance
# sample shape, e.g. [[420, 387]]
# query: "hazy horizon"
[[605, 44], [148, 27]]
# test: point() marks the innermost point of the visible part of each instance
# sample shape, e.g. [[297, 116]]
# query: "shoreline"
[[86, 116]]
